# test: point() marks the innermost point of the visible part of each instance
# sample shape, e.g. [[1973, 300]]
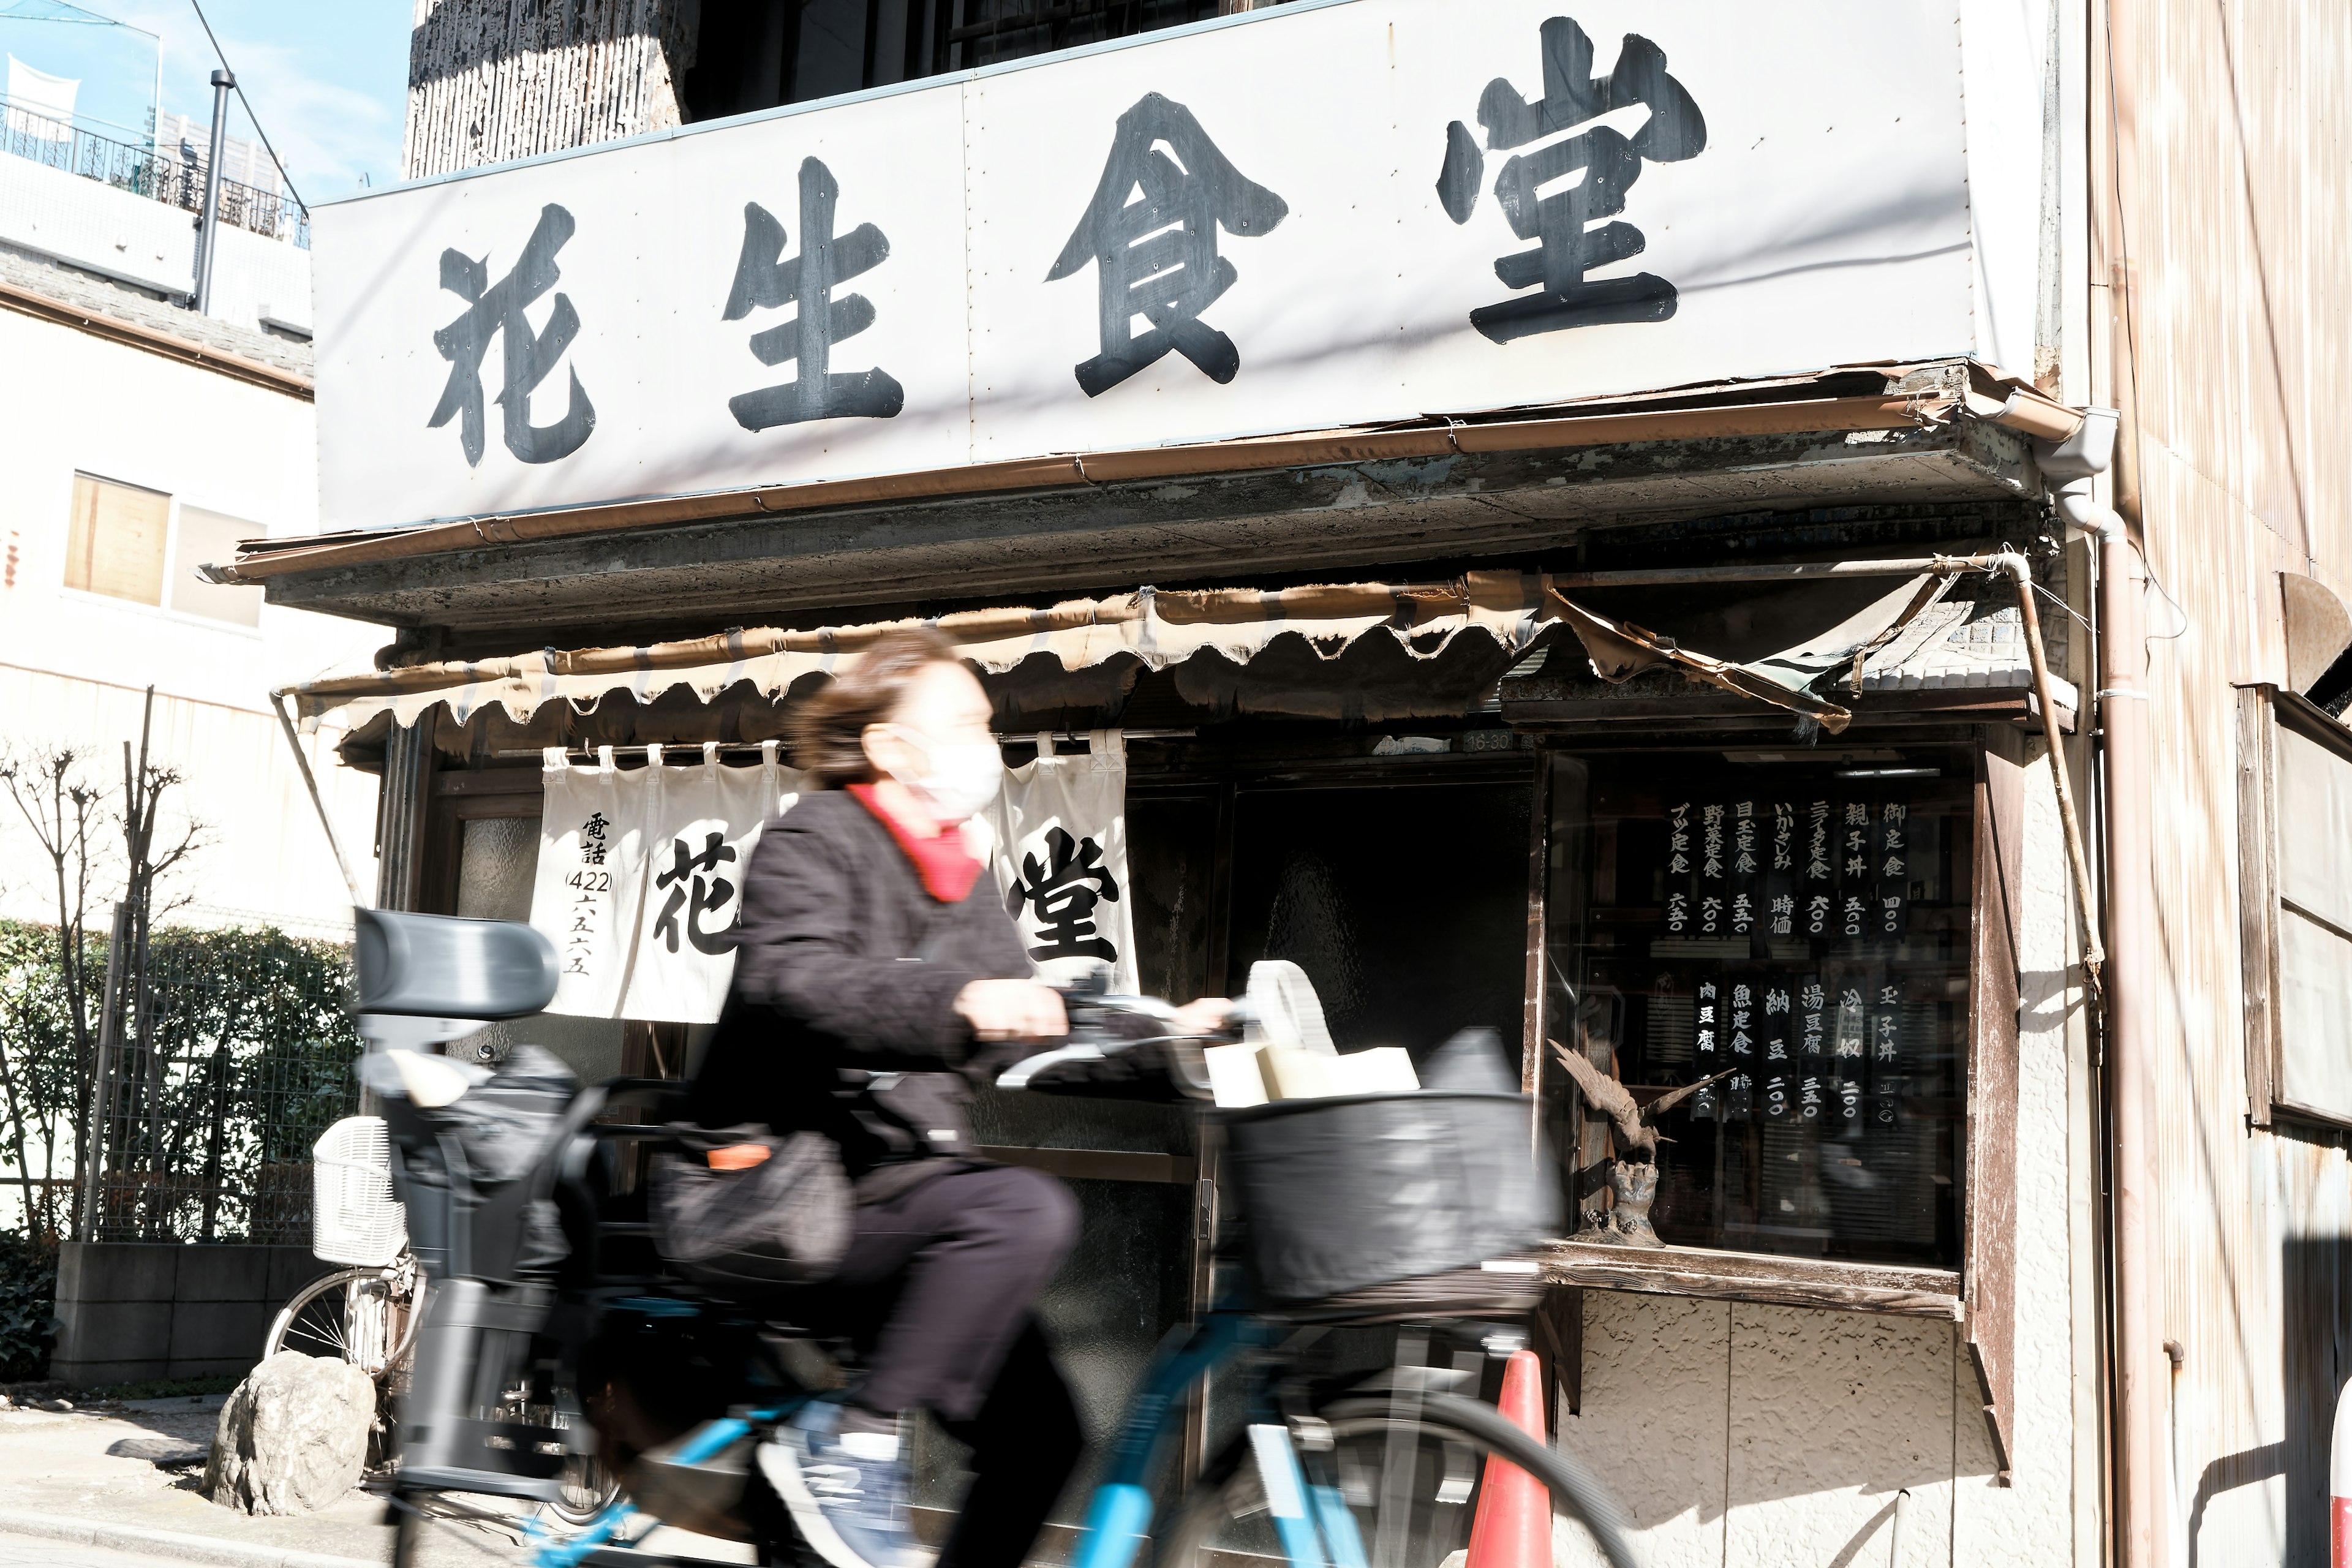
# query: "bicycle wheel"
[[588, 1486], [357, 1315], [1407, 1479]]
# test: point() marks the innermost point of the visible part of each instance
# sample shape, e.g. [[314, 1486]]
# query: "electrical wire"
[[256, 119]]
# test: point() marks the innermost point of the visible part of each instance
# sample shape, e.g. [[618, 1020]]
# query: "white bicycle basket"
[[354, 1218]]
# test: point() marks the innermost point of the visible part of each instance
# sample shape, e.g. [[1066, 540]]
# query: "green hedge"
[[28, 1293]]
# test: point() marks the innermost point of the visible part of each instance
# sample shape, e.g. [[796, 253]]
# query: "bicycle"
[[1381, 1473], [363, 1315], [368, 1313], [1336, 1462]]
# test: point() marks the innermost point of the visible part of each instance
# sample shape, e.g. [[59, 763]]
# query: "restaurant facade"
[[1607, 525]]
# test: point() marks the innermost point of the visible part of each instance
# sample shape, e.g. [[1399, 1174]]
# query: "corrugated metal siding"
[[2237, 212]]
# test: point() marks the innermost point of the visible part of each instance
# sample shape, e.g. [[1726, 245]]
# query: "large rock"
[[293, 1437]]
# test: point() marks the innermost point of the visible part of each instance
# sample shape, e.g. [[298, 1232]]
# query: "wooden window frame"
[[2262, 709], [1980, 1295]]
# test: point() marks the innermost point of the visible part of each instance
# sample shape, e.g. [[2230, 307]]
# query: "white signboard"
[[641, 875], [1059, 829], [1317, 217]]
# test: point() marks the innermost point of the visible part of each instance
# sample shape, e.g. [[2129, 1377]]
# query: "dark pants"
[[936, 1291]]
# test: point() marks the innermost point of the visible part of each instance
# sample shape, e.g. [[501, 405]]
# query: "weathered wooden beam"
[[1746, 1277]]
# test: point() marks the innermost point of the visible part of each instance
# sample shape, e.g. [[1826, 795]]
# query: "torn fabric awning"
[[1158, 628]]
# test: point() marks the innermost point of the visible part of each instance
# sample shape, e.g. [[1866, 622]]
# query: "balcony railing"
[[157, 175]]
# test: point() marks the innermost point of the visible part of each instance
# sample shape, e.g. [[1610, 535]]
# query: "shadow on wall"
[[2315, 1359], [1743, 1432]]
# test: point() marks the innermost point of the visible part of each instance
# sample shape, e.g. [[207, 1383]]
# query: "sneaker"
[[847, 1496]]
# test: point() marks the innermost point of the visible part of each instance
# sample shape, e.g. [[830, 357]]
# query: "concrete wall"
[[133, 1310]]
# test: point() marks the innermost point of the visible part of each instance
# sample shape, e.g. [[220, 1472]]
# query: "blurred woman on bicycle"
[[877, 980]]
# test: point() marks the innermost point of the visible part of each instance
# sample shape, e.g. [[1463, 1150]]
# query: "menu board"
[[1802, 931]]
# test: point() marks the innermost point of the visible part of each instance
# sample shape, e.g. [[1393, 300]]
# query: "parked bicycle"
[[367, 1312]]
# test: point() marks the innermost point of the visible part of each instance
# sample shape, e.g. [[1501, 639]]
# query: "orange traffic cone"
[[1513, 1526]]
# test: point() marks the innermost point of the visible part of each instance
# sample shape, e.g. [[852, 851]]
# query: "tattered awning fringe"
[[1157, 627]]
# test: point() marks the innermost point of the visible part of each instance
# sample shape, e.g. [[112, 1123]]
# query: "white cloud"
[[329, 133]]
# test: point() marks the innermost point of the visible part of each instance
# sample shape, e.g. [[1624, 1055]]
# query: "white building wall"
[[151, 244], [73, 665]]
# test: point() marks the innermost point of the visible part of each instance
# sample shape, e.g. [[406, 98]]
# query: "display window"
[[1788, 940]]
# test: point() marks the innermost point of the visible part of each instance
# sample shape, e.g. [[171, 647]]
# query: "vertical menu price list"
[[1797, 935]]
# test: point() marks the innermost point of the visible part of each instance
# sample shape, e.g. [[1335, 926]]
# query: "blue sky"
[[328, 78]]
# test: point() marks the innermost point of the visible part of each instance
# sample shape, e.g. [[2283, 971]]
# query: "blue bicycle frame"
[[1316, 1528]]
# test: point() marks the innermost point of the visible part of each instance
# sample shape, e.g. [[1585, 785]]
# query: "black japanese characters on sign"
[[586, 884], [495, 309], [1063, 893], [765, 278], [1569, 246], [1151, 232], [698, 897]]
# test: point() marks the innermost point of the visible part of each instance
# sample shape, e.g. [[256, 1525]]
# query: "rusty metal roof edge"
[[1500, 430]]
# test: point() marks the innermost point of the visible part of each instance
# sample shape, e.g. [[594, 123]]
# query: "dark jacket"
[[842, 1015]]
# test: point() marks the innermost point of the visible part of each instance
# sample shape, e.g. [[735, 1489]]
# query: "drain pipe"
[[208, 224], [2140, 1360]]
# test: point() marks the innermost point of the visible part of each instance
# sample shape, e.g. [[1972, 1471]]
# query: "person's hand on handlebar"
[[1205, 1016], [1012, 1010]]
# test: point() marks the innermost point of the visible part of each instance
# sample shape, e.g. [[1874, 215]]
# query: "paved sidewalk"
[[128, 1471], [114, 1485]]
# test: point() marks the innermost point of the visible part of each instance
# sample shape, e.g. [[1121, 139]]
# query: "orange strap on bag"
[[738, 1156]]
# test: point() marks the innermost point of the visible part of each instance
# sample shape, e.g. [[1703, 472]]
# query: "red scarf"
[[946, 867]]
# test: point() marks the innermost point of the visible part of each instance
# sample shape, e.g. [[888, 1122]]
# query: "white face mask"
[[963, 777]]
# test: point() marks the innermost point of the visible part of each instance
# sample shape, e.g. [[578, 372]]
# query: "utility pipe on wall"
[[208, 225], [2141, 1365]]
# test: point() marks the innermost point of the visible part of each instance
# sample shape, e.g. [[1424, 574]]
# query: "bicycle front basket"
[[1371, 1189], [354, 1218]]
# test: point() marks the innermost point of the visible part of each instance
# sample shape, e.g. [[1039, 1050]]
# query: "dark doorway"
[[1405, 904]]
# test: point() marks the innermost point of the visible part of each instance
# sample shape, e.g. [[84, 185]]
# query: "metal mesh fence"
[[228, 1054], [158, 176]]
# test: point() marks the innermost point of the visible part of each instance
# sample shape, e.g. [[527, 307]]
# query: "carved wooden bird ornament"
[[1637, 1139]]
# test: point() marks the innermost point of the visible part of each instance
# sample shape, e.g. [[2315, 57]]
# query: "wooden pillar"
[[494, 79], [400, 814]]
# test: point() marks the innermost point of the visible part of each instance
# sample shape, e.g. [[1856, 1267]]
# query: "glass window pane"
[[1805, 933], [496, 858], [209, 537], [2315, 816], [114, 542], [2316, 1067]]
